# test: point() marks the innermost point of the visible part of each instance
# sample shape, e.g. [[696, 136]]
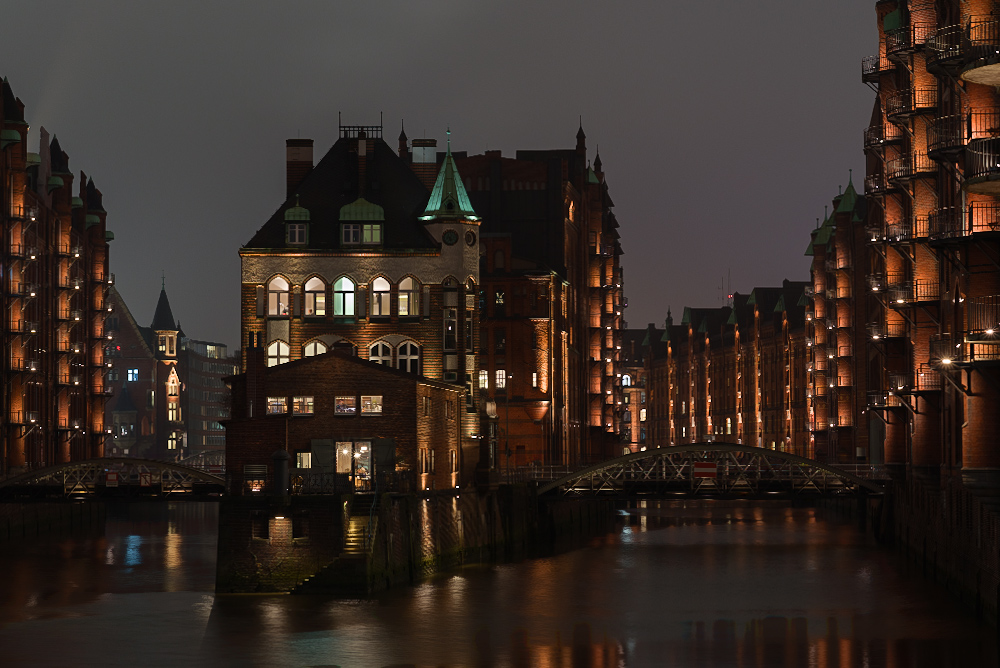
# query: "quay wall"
[[415, 536], [29, 519]]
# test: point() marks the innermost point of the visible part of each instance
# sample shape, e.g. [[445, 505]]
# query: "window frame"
[[342, 307], [315, 306], [276, 308], [276, 406], [278, 347], [381, 291], [303, 405], [408, 301], [373, 405]]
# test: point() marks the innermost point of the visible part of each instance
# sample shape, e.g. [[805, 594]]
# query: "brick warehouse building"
[[326, 412], [733, 374], [362, 258], [55, 255], [933, 252], [552, 304]]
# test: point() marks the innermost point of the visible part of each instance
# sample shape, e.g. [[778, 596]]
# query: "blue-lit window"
[[133, 375]]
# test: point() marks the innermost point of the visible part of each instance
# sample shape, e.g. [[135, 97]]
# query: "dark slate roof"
[[163, 318], [11, 109], [124, 403], [60, 164], [334, 183]]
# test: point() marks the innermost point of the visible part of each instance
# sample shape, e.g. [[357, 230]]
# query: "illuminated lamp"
[[945, 360]]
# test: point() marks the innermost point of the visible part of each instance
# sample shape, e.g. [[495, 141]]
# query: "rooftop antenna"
[[163, 280]]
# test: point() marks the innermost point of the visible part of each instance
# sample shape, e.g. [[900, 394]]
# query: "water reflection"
[[709, 585]]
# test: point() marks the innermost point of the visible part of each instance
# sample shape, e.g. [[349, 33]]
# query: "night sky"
[[724, 127]]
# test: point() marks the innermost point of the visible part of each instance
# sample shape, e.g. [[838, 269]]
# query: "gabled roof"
[[336, 182], [11, 109], [163, 318], [449, 198]]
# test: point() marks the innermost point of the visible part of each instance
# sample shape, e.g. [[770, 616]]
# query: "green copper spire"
[[449, 198]]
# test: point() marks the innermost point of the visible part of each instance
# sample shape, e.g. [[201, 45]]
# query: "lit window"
[[302, 405], [499, 306], [408, 357], [350, 234], [626, 380], [133, 375], [173, 386], [277, 296], [277, 353], [409, 295], [277, 405], [172, 442], [315, 297], [371, 233], [642, 415], [314, 348], [450, 329], [173, 411], [729, 425], [371, 405], [380, 353], [303, 460], [346, 405], [501, 379], [534, 379], [380, 297], [296, 233], [484, 379], [343, 297]]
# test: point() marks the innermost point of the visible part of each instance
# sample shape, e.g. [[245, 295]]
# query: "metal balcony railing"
[[944, 351], [909, 166], [927, 379], [982, 158], [908, 39], [983, 315], [875, 184], [926, 290], [844, 292], [983, 38], [911, 101], [873, 66], [879, 135], [876, 282], [945, 46]]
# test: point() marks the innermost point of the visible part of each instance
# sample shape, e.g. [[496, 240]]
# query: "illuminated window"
[[534, 379], [343, 297], [642, 415], [173, 411], [350, 234], [303, 460], [277, 353], [277, 296], [371, 233], [380, 353], [302, 405], [296, 233], [371, 405], [499, 305], [729, 425], [380, 297], [277, 405], [484, 379], [626, 380], [132, 375], [408, 357], [315, 297], [345, 405], [409, 297], [501, 379], [314, 348], [450, 329], [172, 442], [173, 386]]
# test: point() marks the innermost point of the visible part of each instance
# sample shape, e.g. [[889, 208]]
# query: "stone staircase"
[[347, 575]]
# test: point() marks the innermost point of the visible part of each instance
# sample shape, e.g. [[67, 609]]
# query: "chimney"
[[298, 163], [425, 160]]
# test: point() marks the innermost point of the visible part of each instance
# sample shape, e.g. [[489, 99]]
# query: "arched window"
[[380, 297], [314, 348], [408, 357], [381, 353], [277, 296], [343, 297], [315, 297], [498, 260], [173, 385], [277, 353], [626, 380], [409, 297]]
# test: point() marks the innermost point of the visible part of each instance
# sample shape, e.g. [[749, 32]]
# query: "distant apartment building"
[[54, 255], [168, 395]]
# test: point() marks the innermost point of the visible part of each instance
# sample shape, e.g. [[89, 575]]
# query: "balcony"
[[982, 166], [877, 136], [874, 230], [916, 227], [887, 330], [875, 184], [927, 379], [24, 417], [874, 66], [982, 51], [880, 399], [844, 292], [911, 166], [946, 137], [876, 282], [909, 102], [983, 316], [945, 351], [845, 351], [901, 42], [945, 50]]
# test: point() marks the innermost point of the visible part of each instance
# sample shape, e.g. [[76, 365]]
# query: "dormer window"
[[371, 234], [167, 344], [296, 233]]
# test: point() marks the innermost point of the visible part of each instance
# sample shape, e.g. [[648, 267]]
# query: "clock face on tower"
[[470, 238], [450, 237]]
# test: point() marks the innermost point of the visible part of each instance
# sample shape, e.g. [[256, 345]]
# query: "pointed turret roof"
[[848, 199], [449, 198], [163, 318], [11, 109], [60, 165], [124, 403]]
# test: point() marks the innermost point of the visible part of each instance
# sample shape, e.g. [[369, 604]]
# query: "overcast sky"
[[724, 127]]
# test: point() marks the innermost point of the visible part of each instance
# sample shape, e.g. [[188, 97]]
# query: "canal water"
[[706, 584]]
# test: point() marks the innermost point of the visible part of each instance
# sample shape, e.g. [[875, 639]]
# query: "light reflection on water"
[[710, 585]]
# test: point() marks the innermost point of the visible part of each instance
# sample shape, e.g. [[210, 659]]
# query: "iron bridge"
[[722, 469], [113, 475]]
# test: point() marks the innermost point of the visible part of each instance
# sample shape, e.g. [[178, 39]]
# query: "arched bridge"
[[716, 469], [112, 475]]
